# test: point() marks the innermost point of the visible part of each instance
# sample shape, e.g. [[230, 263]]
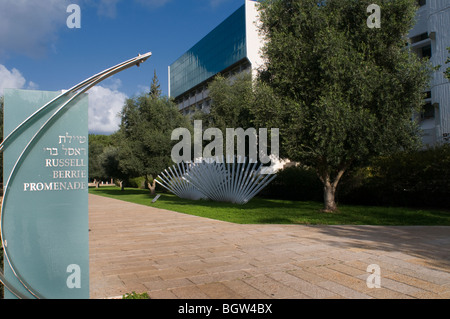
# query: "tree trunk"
[[329, 188], [152, 187], [329, 192]]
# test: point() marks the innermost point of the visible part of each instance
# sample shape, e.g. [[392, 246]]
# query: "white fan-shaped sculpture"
[[174, 180], [235, 182]]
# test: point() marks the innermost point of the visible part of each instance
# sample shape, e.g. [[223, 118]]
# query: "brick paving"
[[177, 256]]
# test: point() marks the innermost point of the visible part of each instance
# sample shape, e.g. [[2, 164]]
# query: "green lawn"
[[269, 211]]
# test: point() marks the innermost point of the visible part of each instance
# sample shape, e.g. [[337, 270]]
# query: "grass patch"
[[135, 295], [271, 211]]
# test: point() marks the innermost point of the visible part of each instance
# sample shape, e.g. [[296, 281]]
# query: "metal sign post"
[[44, 216]]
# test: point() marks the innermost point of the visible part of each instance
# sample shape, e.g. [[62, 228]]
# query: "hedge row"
[[418, 179], [295, 183], [414, 179]]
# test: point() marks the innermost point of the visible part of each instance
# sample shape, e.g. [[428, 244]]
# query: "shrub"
[[412, 179], [137, 182], [135, 295], [295, 183], [416, 178]]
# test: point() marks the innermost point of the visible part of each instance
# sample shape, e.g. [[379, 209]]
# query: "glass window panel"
[[221, 48]]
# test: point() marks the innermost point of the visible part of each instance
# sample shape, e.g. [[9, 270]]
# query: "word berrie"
[[70, 174]]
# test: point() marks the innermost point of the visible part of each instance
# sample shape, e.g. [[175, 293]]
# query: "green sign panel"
[[44, 220], [45, 230]]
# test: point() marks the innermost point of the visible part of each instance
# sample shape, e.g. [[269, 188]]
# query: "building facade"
[[430, 37], [230, 48], [234, 47]]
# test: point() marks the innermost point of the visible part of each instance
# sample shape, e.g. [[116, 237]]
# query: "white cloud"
[[30, 27], [153, 3], [105, 102], [107, 8], [112, 83], [32, 86], [105, 105], [13, 79], [141, 89]]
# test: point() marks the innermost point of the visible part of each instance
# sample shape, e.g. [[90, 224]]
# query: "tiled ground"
[[173, 255]]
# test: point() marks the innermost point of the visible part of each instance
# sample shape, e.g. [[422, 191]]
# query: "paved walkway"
[[173, 255]]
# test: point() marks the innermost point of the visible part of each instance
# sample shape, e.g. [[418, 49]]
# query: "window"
[[419, 37], [224, 46], [428, 111], [426, 51], [446, 137]]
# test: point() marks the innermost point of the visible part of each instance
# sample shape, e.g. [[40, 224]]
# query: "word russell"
[[72, 162]]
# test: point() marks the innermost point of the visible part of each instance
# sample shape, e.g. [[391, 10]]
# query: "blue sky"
[[39, 51]]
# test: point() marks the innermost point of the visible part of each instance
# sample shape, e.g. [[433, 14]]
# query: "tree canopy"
[[142, 145], [232, 100], [144, 136], [155, 87], [231, 106], [341, 92], [98, 168]]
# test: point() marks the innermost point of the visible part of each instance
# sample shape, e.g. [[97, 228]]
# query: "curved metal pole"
[[134, 61], [82, 87]]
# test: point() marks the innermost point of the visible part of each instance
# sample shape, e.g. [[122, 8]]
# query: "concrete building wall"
[[431, 33], [254, 40]]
